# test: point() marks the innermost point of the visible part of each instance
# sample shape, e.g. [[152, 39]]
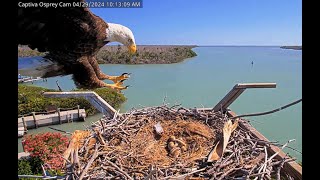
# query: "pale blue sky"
[[211, 22]]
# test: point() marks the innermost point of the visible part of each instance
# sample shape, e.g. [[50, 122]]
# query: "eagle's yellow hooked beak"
[[132, 48]]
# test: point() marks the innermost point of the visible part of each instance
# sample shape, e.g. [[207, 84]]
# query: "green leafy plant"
[[29, 166], [24, 167], [30, 99]]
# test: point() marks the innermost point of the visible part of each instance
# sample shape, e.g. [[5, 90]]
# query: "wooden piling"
[[24, 124], [59, 115], [78, 106], [70, 117], [35, 120], [22, 143], [67, 117]]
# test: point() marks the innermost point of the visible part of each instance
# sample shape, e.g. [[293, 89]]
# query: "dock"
[[23, 154], [40, 120], [21, 131], [28, 79]]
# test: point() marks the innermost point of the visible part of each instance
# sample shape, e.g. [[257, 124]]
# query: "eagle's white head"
[[121, 34]]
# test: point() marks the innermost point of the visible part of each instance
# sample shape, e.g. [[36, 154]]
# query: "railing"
[[94, 99], [35, 120], [236, 91], [57, 110]]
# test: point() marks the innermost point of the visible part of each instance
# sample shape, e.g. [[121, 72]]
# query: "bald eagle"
[[72, 36]]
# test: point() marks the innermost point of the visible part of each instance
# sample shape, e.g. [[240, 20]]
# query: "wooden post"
[[236, 91], [78, 112], [35, 120], [22, 143], [24, 124], [59, 116], [67, 117]]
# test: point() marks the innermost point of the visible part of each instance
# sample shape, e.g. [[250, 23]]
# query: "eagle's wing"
[[33, 27], [72, 36], [50, 28]]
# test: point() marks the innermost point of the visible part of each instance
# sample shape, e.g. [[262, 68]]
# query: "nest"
[[191, 141], [166, 143]]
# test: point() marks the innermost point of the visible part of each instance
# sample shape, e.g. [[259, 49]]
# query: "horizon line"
[[201, 45]]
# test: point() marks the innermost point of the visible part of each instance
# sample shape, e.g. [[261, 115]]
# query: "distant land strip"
[[146, 54], [292, 47]]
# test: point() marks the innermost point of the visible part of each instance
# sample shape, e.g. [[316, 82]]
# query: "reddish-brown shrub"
[[48, 146]]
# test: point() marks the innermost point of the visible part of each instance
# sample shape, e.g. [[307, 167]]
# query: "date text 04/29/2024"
[[87, 3], [114, 4]]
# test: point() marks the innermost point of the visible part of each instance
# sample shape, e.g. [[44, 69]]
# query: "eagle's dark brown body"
[[71, 35]]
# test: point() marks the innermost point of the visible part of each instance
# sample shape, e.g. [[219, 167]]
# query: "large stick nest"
[[129, 146]]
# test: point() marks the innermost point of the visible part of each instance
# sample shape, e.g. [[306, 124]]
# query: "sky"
[[211, 22]]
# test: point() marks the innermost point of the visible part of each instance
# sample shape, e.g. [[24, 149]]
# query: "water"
[[205, 79]]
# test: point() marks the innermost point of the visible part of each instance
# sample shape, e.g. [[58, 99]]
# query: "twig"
[[119, 169], [94, 156], [184, 175], [279, 169], [60, 130]]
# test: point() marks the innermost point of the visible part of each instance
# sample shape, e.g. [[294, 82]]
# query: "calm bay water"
[[208, 77]]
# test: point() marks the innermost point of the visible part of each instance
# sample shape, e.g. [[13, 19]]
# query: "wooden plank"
[[292, 168], [100, 107], [236, 91], [108, 106], [69, 94], [255, 85], [23, 154], [225, 99], [232, 99], [99, 103]]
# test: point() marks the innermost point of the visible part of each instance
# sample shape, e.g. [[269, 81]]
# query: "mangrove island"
[[146, 54], [292, 47]]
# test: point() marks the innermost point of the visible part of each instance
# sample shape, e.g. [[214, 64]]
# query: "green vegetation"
[[24, 167], [29, 166], [145, 54], [292, 47], [25, 51], [150, 54], [30, 99]]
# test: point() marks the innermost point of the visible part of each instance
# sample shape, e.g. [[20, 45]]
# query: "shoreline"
[[146, 54], [291, 47], [118, 54]]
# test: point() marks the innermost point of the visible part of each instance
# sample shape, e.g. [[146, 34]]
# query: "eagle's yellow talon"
[[118, 86], [116, 79]]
